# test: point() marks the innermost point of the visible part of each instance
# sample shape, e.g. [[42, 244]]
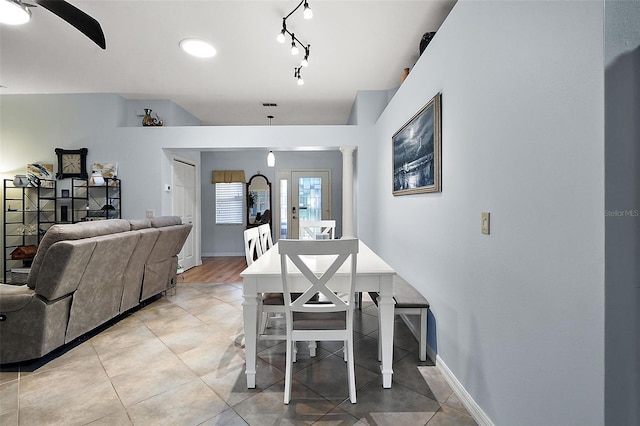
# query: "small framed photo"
[[65, 193], [417, 152]]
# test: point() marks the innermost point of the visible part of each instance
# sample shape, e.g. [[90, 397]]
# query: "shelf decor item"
[[107, 170], [20, 181], [72, 163], [416, 152], [41, 173], [149, 121], [24, 252]]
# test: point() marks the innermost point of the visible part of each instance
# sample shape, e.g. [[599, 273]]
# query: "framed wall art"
[[417, 150]]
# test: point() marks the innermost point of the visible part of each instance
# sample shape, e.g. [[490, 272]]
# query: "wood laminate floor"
[[224, 269]]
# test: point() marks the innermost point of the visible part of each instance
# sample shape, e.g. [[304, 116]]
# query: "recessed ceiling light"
[[198, 48]]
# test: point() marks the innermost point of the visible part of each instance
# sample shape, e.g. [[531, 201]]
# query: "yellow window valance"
[[228, 176]]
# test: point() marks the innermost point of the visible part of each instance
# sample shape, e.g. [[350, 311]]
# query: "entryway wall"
[[226, 240]]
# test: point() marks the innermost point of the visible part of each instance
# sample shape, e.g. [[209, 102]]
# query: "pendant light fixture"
[[271, 158]]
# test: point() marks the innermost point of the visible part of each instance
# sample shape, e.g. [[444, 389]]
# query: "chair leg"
[[352, 372], [423, 334], [263, 323], [312, 348], [289, 371]]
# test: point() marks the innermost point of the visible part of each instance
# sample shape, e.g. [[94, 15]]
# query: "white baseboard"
[[222, 254], [472, 407]]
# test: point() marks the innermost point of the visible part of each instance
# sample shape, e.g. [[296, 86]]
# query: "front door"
[[302, 195]]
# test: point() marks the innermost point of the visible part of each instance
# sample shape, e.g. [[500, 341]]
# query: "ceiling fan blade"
[[83, 22]]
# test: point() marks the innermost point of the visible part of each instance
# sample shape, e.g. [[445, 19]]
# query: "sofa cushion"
[[137, 224], [73, 231], [162, 221]]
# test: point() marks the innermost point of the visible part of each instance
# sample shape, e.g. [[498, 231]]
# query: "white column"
[[347, 191]]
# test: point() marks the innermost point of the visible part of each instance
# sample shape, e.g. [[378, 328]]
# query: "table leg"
[[250, 316], [386, 312]]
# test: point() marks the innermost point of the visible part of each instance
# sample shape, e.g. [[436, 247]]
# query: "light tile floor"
[[180, 361]]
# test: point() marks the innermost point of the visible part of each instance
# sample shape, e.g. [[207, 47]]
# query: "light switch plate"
[[485, 223], [150, 214]]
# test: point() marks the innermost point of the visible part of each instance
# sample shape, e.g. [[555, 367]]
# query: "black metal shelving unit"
[[95, 202], [28, 212]]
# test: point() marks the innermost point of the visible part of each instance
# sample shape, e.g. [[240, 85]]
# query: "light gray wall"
[[227, 240], [519, 313], [622, 203]]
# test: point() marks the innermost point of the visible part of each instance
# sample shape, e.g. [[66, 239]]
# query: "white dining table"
[[264, 276]]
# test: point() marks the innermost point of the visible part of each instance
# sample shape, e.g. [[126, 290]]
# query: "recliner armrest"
[[14, 297]]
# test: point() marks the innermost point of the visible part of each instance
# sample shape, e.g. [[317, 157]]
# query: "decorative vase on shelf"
[[20, 181], [148, 120], [404, 76]]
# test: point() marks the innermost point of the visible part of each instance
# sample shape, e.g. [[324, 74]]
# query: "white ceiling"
[[355, 45]]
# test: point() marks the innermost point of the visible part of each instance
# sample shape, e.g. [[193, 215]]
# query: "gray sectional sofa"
[[83, 275]]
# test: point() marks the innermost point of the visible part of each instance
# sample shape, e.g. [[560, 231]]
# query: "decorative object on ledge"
[[426, 39], [404, 76], [281, 38], [149, 121], [416, 152], [72, 163]]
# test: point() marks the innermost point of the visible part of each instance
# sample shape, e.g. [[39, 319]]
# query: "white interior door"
[[184, 205], [302, 195]]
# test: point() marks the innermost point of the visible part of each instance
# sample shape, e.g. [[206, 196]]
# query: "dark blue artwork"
[[416, 152]]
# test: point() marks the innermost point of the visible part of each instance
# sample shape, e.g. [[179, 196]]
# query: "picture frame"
[[417, 148]]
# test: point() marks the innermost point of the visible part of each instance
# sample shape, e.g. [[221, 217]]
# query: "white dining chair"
[[266, 242], [252, 246], [309, 320], [317, 229]]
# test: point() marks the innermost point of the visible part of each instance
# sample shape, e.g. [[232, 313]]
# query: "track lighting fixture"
[[281, 37]]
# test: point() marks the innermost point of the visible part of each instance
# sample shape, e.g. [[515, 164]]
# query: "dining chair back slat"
[[266, 241], [317, 229], [252, 246]]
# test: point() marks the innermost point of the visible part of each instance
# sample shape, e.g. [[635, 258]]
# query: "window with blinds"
[[229, 202]]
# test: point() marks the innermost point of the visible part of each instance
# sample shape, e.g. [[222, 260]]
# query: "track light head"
[[305, 60], [296, 74], [307, 12], [281, 34]]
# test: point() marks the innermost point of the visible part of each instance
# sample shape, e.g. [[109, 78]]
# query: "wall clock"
[[72, 163]]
